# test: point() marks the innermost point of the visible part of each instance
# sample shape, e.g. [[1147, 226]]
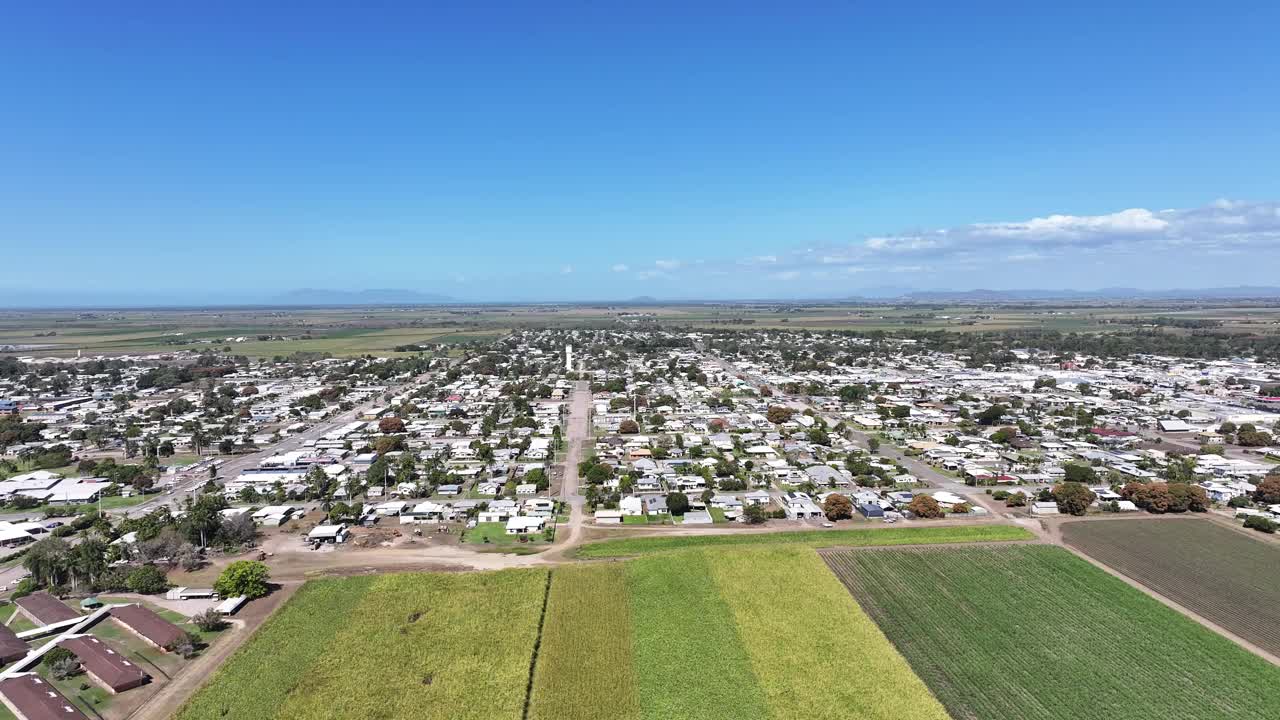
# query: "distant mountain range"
[[314, 296], [997, 296]]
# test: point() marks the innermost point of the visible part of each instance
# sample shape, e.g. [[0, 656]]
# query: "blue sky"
[[573, 151]]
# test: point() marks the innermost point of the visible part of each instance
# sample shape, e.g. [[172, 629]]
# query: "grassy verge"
[[584, 668], [623, 547]]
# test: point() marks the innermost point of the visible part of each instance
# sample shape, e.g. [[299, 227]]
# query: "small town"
[[662, 361]]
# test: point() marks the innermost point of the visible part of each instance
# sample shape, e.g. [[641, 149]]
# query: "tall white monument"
[[568, 358]]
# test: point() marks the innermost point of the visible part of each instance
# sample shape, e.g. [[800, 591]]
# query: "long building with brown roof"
[[148, 625], [104, 665], [30, 697], [11, 648], [45, 609]]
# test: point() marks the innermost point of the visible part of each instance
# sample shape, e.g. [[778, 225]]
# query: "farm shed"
[[104, 665], [148, 625], [870, 510], [45, 609], [29, 696]]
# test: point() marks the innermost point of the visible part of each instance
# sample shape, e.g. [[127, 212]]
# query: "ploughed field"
[[1225, 576], [757, 629], [1032, 632]]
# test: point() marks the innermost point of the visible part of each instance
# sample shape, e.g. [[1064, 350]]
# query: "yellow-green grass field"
[[426, 645], [940, 533]]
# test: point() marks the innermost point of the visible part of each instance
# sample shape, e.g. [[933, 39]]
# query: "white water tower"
[[568, 357]]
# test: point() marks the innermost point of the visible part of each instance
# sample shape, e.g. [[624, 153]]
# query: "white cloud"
[[619, 267], [567, 269], [786, 275], [667, 264], [1221, 224]]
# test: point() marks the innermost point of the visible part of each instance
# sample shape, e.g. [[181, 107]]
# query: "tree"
[[47, 561], [677, 503], [1077, 473], [924, 506], [1004, 435], [243, 577], [146, 580], [628, 427], [1073, 498], [838, 507], [778, 414], [992, 415], [873, 444], [754, 514], [1267, 492], [390, 425], [1016, 500]]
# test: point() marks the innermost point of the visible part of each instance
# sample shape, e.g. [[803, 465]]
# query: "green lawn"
[[940, 533], [496, 534], [1031, 632]]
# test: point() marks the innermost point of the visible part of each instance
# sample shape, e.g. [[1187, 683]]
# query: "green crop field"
[[417, 645], [814, 652], [940, 533], [584, 666], [693, 634], [260, 677], [1221, 574], [1032, 632], [689, 657]]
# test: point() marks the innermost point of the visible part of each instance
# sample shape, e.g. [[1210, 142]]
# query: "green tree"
[[146, 580], [754, 514], [677, 503], [243, 577]]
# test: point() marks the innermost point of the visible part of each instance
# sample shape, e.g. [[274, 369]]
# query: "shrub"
[[1261, 524], [209, 621]]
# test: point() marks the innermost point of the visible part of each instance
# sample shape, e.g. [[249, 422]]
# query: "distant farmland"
[[1031, 632], [1222, 575]]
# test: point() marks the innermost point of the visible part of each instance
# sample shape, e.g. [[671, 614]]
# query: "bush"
[[1261, 524], [58, 653], [147, 580], [25, 587], [209, 621], [184, 647]]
